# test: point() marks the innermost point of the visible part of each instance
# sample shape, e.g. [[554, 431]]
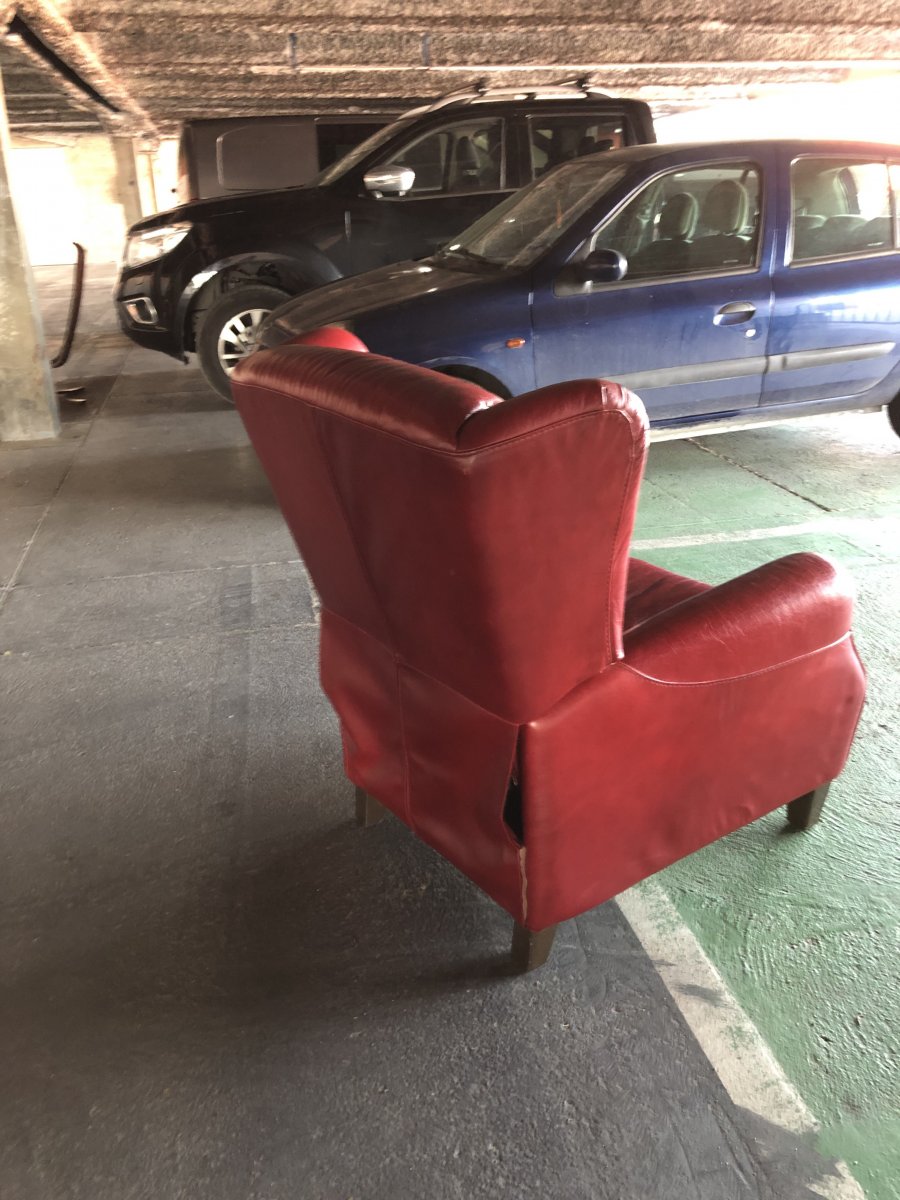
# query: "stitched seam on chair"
[[788, 662], [425, 675], [858, 659], [339, 499], [625, 493], [522, 437], [523, 879], [453, 452], [407, 790], [517, 846], [593, 674], [865, 675]]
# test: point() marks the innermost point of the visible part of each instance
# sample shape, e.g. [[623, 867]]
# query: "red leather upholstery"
[[333, 336], [482, 623]]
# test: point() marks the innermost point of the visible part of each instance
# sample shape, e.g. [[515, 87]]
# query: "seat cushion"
[[651, 590]]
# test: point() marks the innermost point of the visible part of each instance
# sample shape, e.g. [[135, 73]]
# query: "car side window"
[[464, 157], [556, 139], [840, 208], [698, 220]]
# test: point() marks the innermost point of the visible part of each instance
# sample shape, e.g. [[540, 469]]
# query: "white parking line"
[[842, 525], [727, 1036]]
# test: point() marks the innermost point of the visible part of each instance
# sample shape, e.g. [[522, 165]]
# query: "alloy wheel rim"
[[238, 337]]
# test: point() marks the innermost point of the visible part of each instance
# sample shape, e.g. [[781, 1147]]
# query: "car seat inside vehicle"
[[724, 213], [672, 249]]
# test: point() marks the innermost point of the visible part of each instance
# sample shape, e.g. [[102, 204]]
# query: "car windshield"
[[342, 165], [518, 231]]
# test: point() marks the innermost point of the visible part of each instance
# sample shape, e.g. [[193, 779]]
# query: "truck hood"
[[385, 287], [302, 198]]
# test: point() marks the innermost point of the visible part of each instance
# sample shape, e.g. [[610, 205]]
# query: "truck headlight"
[[153, 243]]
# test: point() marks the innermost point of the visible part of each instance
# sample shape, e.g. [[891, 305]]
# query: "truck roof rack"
[[481, 92]]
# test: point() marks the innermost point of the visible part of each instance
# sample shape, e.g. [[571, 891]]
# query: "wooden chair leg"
[[368, 810], [803, 812], [530, 950]]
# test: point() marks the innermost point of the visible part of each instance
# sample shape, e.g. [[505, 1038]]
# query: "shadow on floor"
[[311, 1001], [129, 476]]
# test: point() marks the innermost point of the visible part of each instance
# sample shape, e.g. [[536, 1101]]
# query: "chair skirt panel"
[[359, 676], [440, 762], [628, 774]]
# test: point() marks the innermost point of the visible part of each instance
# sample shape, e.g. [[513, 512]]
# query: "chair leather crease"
[[486, 636]]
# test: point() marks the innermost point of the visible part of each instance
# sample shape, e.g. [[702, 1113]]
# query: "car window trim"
[[422, 197], [627, 284], [658, 280], [851, 255]]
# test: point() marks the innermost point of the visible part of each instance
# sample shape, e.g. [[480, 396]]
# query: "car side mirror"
[[390, 181], [601, 266]]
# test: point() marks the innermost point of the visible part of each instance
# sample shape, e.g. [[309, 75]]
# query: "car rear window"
[[840, 208], [559, 138]]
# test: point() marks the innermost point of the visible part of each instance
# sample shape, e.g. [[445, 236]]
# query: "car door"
[[835, 329], [686, 326], [459, 171]]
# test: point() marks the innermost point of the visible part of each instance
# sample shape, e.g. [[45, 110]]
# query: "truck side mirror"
[[390, 181]]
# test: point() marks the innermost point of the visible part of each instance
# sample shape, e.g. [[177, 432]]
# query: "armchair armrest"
[[762, 619]]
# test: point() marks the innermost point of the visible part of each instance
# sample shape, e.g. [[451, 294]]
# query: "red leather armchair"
[[558, 720]]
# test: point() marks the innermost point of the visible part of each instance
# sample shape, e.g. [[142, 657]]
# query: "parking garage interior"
[[216, 984]]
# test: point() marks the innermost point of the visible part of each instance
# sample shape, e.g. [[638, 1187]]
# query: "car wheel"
[[230, 329], [893, 412], [489, 382]]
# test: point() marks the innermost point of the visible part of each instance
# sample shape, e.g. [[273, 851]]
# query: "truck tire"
[[229, 330]]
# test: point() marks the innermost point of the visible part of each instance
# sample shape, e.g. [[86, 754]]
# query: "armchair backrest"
[[484, 543]]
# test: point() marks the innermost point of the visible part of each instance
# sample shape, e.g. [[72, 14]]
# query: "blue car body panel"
[[835, 328], [833, 336], [660, 341], [450, 337]]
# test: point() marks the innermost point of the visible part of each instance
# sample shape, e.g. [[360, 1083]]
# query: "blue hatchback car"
[[728, 285]]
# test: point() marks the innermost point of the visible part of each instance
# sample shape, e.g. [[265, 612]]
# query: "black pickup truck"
[[201, 277]]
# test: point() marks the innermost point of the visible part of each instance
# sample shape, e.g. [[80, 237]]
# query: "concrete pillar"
[[28, 407], [127, 171], [147, 179]]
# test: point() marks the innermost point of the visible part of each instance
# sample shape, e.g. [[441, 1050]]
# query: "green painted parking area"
[[805, 928]]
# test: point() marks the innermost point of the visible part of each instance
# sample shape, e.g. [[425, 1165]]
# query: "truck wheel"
[[893, 412], [230, 329]]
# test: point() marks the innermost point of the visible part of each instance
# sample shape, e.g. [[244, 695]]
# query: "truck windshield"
[[358, 153], [518, 231]]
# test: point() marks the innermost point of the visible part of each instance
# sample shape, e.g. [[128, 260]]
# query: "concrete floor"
[[216, 986]]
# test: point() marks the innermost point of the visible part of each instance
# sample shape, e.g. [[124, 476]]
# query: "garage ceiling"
[[145, 68]]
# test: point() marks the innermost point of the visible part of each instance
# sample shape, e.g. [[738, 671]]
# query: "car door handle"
[[735, 313]]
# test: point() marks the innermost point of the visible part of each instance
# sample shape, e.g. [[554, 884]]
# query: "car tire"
[[893, 413], [228, 331]]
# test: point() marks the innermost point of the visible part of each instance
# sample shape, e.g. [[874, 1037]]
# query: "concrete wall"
[[70, 192]]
